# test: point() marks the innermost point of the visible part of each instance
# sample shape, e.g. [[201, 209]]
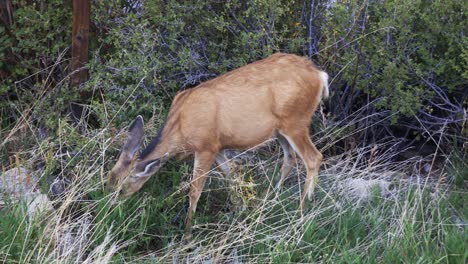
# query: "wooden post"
[[80, 40], [6, 12], [6, 19]]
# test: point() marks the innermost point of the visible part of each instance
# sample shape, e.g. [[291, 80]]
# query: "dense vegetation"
[[398, 83]]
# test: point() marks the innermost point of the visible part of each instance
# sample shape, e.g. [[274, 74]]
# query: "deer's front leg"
[[203, 162]]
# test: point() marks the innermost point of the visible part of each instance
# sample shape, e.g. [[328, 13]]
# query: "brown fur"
[[276, 96]]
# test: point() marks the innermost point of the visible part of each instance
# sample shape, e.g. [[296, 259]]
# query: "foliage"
[[175, 45], [33, 44], [405, 57], [33, 65], [395, 50], [396, 68]]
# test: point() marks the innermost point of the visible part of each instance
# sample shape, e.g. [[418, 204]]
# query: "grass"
[[417, 220], [408, 218]]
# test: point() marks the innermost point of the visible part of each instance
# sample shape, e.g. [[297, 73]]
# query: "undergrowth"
[[405, 217]]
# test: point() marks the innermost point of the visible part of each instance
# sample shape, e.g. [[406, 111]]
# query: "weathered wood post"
[[80, 40]]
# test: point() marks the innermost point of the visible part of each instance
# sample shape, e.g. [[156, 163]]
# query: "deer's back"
[[248, 105]]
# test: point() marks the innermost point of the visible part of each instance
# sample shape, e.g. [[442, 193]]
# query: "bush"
[[397, 69], [396, 51], [401, 59]]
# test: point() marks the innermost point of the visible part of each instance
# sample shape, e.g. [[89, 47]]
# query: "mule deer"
[[276, 96]]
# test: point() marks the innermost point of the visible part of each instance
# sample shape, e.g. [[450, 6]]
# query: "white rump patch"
[[324, 78]]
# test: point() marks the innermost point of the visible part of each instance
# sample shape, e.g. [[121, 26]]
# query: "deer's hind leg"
[[289, 160], [312, 158]]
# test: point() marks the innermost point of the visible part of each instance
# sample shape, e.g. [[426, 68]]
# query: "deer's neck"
[[168, 140]]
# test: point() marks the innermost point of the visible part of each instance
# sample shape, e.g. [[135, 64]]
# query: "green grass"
[[379, 233], [419, 220], [18, 235]]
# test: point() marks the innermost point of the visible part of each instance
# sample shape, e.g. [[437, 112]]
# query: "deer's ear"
[[134, 138], [151, 167]]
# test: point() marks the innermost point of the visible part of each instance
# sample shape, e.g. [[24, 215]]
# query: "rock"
[[17, 182], [427, 167], [58, 187], [361, 189], [39, 205]]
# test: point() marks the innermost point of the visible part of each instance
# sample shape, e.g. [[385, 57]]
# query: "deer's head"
[[130, 172]]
